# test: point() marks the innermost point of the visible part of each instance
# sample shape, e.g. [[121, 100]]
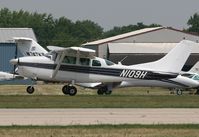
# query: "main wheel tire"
[[100, 92], [30, 89], [108, 92], [65, 89], [72, 91]]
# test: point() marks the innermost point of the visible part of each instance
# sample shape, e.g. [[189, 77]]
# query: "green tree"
[[87, 31], [193, 23], [125, 29]]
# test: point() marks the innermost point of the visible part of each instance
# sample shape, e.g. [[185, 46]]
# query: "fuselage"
[[85, 70]]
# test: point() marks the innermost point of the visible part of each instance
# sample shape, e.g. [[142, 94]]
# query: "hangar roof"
[[133, 33], [7, 34], [145, 48]]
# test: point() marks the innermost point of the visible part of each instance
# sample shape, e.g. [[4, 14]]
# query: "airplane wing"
[[70, 51], [74, 51]]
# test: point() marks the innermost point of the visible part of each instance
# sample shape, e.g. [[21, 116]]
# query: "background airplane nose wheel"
[[30, 89], [72, 91], [179, 92]]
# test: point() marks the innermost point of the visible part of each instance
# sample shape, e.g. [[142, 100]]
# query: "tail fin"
[[174, 60], [29, 47]]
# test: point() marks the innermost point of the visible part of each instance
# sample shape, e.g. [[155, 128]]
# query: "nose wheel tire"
[[179, 92], [69, 90], [30, 89]]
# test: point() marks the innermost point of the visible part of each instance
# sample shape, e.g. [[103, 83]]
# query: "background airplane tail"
[[195, 68], [174, 60], [29, 47]]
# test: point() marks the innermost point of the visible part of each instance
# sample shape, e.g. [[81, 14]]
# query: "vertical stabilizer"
[[29, 47], [174, 60]]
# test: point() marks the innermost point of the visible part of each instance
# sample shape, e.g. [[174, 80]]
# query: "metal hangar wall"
[[143, 45], [8, 49]]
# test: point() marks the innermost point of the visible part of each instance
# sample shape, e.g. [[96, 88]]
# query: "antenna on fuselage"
[[120, 62]]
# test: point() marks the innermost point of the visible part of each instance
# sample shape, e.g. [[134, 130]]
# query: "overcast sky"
[[110, 13]]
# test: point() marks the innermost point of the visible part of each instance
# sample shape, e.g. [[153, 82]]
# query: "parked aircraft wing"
[[8, 76]]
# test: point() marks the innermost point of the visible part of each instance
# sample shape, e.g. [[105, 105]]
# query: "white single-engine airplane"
[[77, 65]]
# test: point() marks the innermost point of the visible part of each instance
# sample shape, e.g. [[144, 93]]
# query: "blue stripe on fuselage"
[[101, 71]]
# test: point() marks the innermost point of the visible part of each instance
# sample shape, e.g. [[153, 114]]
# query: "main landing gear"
[[104, 90], [69, 90]]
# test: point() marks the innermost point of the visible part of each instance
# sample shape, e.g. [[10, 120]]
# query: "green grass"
[[50, 96], [102, 131], [95, 101]]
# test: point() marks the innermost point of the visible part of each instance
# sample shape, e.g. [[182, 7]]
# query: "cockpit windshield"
[[187, 75], [109, 63], [196, 77]]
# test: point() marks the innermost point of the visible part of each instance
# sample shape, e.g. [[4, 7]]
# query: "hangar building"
[[143, 45], [8, 48]]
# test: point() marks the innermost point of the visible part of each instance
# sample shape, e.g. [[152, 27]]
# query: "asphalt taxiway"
[[98, 116]]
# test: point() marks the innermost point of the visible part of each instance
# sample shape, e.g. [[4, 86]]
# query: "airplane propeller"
[[15, 65]]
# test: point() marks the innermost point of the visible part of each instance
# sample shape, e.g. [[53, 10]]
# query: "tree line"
[[64, 32]]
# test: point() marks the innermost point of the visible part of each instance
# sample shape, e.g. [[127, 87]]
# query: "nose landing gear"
[[30, 89]]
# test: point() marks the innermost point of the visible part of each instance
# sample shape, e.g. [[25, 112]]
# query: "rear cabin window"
[[96, 63], [84, 61], [69, 60]]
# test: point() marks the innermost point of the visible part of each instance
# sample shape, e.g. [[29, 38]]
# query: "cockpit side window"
[[96, 63], [84, 61], [69, 60]]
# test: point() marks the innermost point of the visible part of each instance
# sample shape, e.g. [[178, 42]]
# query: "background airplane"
[[76, 65], [8, 76]]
